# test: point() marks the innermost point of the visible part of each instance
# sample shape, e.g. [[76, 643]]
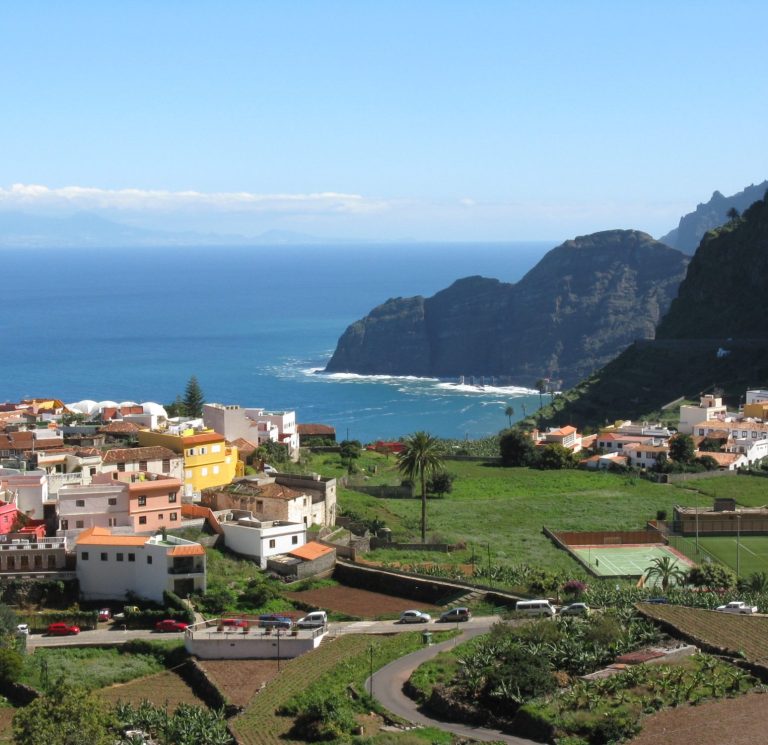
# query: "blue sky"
[[429, 120]]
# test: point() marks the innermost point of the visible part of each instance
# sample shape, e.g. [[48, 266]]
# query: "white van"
[[535, 608], [315, 619]]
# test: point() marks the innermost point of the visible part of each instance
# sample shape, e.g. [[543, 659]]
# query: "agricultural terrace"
[[752, 551], [745, 636], [327, 672], [505, 508]]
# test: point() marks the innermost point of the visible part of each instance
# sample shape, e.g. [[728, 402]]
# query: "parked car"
[[658, 601], [455, 614], [275, 621], [170, 624], [62, 629], [535, 608], [269, 470], [575, 609], [314, 620], [105, 614], [737, 606], [414, 616], [23, 628]]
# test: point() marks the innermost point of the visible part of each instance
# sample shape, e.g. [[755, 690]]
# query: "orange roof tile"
[[196, 550], [103, 537], [310, 551]]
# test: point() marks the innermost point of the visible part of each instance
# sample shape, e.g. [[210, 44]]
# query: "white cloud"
[[31, 196]]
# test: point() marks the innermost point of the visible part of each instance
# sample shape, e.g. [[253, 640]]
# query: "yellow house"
[[208, 460]]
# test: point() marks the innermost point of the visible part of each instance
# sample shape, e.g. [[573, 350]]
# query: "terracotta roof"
[[129, 455], [247, 488], [277, 491], [563, 431], [202, 439], [87, 452], [120, 428], [245, 446], [103, 537], [194, 550], [315, 429], [310, 551], [723, 459]]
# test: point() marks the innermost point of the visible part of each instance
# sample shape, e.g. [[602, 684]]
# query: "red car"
[[170, 625], [62, 629], [234, 623]]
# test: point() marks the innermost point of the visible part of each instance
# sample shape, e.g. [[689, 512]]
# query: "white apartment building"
[[94, 505], [110, 566], [253, 424], [260, 539], [710, 407], [153, 459]]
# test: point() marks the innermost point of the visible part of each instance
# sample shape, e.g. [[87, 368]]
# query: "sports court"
[[753, 551], [626, 561]]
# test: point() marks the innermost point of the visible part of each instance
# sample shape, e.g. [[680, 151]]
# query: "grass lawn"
[[748, 491], [88, 667], [753, 551]]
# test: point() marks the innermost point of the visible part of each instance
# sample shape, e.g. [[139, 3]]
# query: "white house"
[[153, 459], [738, 429], [94, 505], [253, 424], [30, 489], [645, 456], [753, 450], [110, 566], [260, 539], [710, 407]]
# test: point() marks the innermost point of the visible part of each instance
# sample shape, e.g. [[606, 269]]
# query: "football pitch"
[[752, 549], [625, 561]]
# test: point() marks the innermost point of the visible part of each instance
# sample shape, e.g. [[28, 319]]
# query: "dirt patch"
[[736, 721], [160, 689], [239, 680], [6, 719], [354, 602]]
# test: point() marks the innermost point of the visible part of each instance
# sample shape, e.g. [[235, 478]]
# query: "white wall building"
[[30, 489], [710, 407], [109, 566], [253, 424], [95, 505], [153, 459], [260, 539]]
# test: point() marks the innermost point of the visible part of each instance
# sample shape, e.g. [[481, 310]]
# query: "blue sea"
[[254, 324]]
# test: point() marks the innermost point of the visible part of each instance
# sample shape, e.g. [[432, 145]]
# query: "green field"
[[752, 550], [624, 561]]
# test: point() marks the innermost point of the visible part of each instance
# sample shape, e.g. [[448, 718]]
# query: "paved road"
[[388, 690]]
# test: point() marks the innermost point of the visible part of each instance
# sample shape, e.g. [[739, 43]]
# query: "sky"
[[382, 120]]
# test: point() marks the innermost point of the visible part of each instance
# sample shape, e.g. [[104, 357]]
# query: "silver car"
[[414, 616]]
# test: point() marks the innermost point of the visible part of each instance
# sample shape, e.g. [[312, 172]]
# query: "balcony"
[[187, 569]]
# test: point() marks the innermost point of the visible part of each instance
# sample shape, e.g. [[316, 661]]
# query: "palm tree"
[[541, 386], [665, 569], [509, 412], [420, 459]]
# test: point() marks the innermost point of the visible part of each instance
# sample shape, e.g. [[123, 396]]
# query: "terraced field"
[[737, 635]]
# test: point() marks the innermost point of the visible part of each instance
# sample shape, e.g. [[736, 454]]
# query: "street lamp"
[[278, 648], [370, 677], [738, 544]]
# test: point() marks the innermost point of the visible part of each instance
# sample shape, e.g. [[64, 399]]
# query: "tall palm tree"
[[420, 459], [509, 412], [665, 569]]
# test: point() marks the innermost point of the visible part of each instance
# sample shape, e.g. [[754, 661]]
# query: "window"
[[149, 559], [79, 524], [131, 557], [203, 451], [103, 556], [188, 474], [172, 498], [79, 503], [112, 522], [92, 471], [294, 539], [259, 504], [142, 519], [304, 502], [142, 501], [215, 448], [121, 467], [65, 524], [160, 516], [191, 451], [166, 465], [174, 515], [271, 542], [142, 465], [112, 501], [215, 469], [203, 471], [119, 556], [84, 556]]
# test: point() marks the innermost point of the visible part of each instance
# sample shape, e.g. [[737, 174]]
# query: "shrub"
[[535, 721], [327, 717], [574, 587]]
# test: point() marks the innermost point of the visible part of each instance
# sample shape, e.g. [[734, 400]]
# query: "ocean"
[[254, 324]]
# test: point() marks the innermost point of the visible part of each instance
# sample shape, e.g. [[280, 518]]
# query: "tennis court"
[[626, 561], [753, 551]]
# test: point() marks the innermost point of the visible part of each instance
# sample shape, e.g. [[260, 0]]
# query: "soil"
[[736, 721], [239, 680], [354, 602], [161, 689]]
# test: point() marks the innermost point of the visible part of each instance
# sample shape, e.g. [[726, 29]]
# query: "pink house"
[[154, 502], [8, 515]]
